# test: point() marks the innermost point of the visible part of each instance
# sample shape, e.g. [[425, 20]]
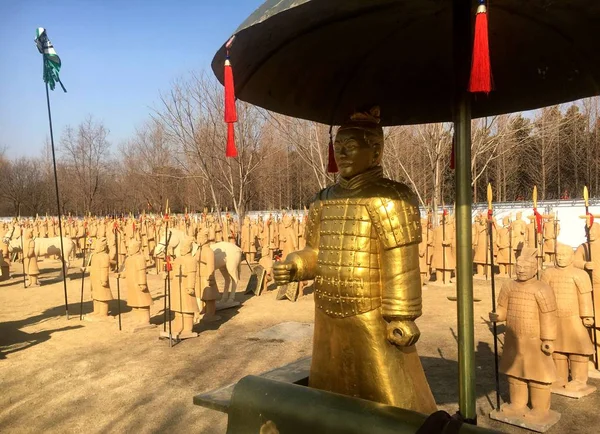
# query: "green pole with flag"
[[52, 64]]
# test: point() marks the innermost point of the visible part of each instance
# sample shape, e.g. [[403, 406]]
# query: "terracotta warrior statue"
[[183, 292], [30, 259], [206, 288], [138, 295], [362, 250], [266, 261], [593, 266], [519, 234], [443, 259], [503, 242], [423, 267], [529, 308], [573, 346], [99, 283], [551, 231], [287, 237]]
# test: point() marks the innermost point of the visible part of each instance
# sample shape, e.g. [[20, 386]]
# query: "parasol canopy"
[[323, 59]]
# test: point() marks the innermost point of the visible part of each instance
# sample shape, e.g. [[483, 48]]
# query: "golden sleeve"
[[398, 225], [580, 257], [306, 259]]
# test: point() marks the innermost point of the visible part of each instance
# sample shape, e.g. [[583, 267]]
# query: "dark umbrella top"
[[323, 59]]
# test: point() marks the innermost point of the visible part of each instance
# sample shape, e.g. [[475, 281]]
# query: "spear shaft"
[[591, 273], [494, 326], [116, 230], [82, 277]]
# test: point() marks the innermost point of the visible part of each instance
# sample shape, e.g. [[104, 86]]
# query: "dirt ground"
[[72, 376]]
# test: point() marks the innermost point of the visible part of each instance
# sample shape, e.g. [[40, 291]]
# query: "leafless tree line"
[[179, 155]]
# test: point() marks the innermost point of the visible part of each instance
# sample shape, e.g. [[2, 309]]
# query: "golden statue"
[[362, 250]]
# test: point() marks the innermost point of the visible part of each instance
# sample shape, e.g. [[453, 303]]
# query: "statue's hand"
[[191, 291], [547, 347], [589, 266], [403, 333], [83, 269], [588, 322], [284, 272], [494, 317]]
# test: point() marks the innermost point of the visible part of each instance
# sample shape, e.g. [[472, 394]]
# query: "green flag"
[[51, 59]]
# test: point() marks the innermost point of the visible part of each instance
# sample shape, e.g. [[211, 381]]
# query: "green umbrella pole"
[[464, 264]]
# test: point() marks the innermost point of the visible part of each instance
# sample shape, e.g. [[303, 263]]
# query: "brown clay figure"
[[99, 283], [138, 295], [183, 294], [529, 308], [30, 259], [573, 346]]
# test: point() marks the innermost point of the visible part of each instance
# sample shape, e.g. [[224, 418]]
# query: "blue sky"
[[117, 56]]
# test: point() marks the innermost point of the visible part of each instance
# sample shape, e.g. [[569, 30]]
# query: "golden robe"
[[362, 241]]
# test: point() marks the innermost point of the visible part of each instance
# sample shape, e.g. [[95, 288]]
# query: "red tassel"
[[538, 220], [331, 164], [481, 74], [230, 111], [231, 150], [591, 217]]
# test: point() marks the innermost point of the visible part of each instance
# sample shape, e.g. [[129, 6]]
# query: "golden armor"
[[362, 250]]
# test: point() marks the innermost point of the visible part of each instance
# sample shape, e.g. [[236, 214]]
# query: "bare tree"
[[85, 152]]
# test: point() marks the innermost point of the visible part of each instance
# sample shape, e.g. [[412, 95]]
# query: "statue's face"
[[519, 215], [353, 154], [564, 257], [526, 268]]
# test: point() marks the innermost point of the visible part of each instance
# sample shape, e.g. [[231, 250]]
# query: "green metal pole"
[[462, 43]]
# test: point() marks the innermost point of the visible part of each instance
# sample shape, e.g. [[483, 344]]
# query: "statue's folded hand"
[[403, 333], [284, 272]]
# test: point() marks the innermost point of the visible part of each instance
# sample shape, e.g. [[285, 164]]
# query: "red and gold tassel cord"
[[481, 73]]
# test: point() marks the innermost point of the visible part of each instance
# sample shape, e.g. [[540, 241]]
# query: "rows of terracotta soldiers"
[[280, 234], [437, 251]]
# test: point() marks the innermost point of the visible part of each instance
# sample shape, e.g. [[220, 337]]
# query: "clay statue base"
[[227, 304], [577, 393], [527, 423]]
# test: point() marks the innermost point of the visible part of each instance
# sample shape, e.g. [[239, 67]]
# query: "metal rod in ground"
[[116, 230], [82, 276], [60, 233], [165, 308], [495, 327], [23, 257]]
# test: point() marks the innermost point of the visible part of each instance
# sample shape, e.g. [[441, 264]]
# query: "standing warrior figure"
[[206, 287], [183, 294], [581, 261], [503, 243], [529, 308], [443, 259], [287, 236], [573, 347], [99, 283], [362, 250], [30, 259], [423, 267], [551, 231], [138, 295]]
